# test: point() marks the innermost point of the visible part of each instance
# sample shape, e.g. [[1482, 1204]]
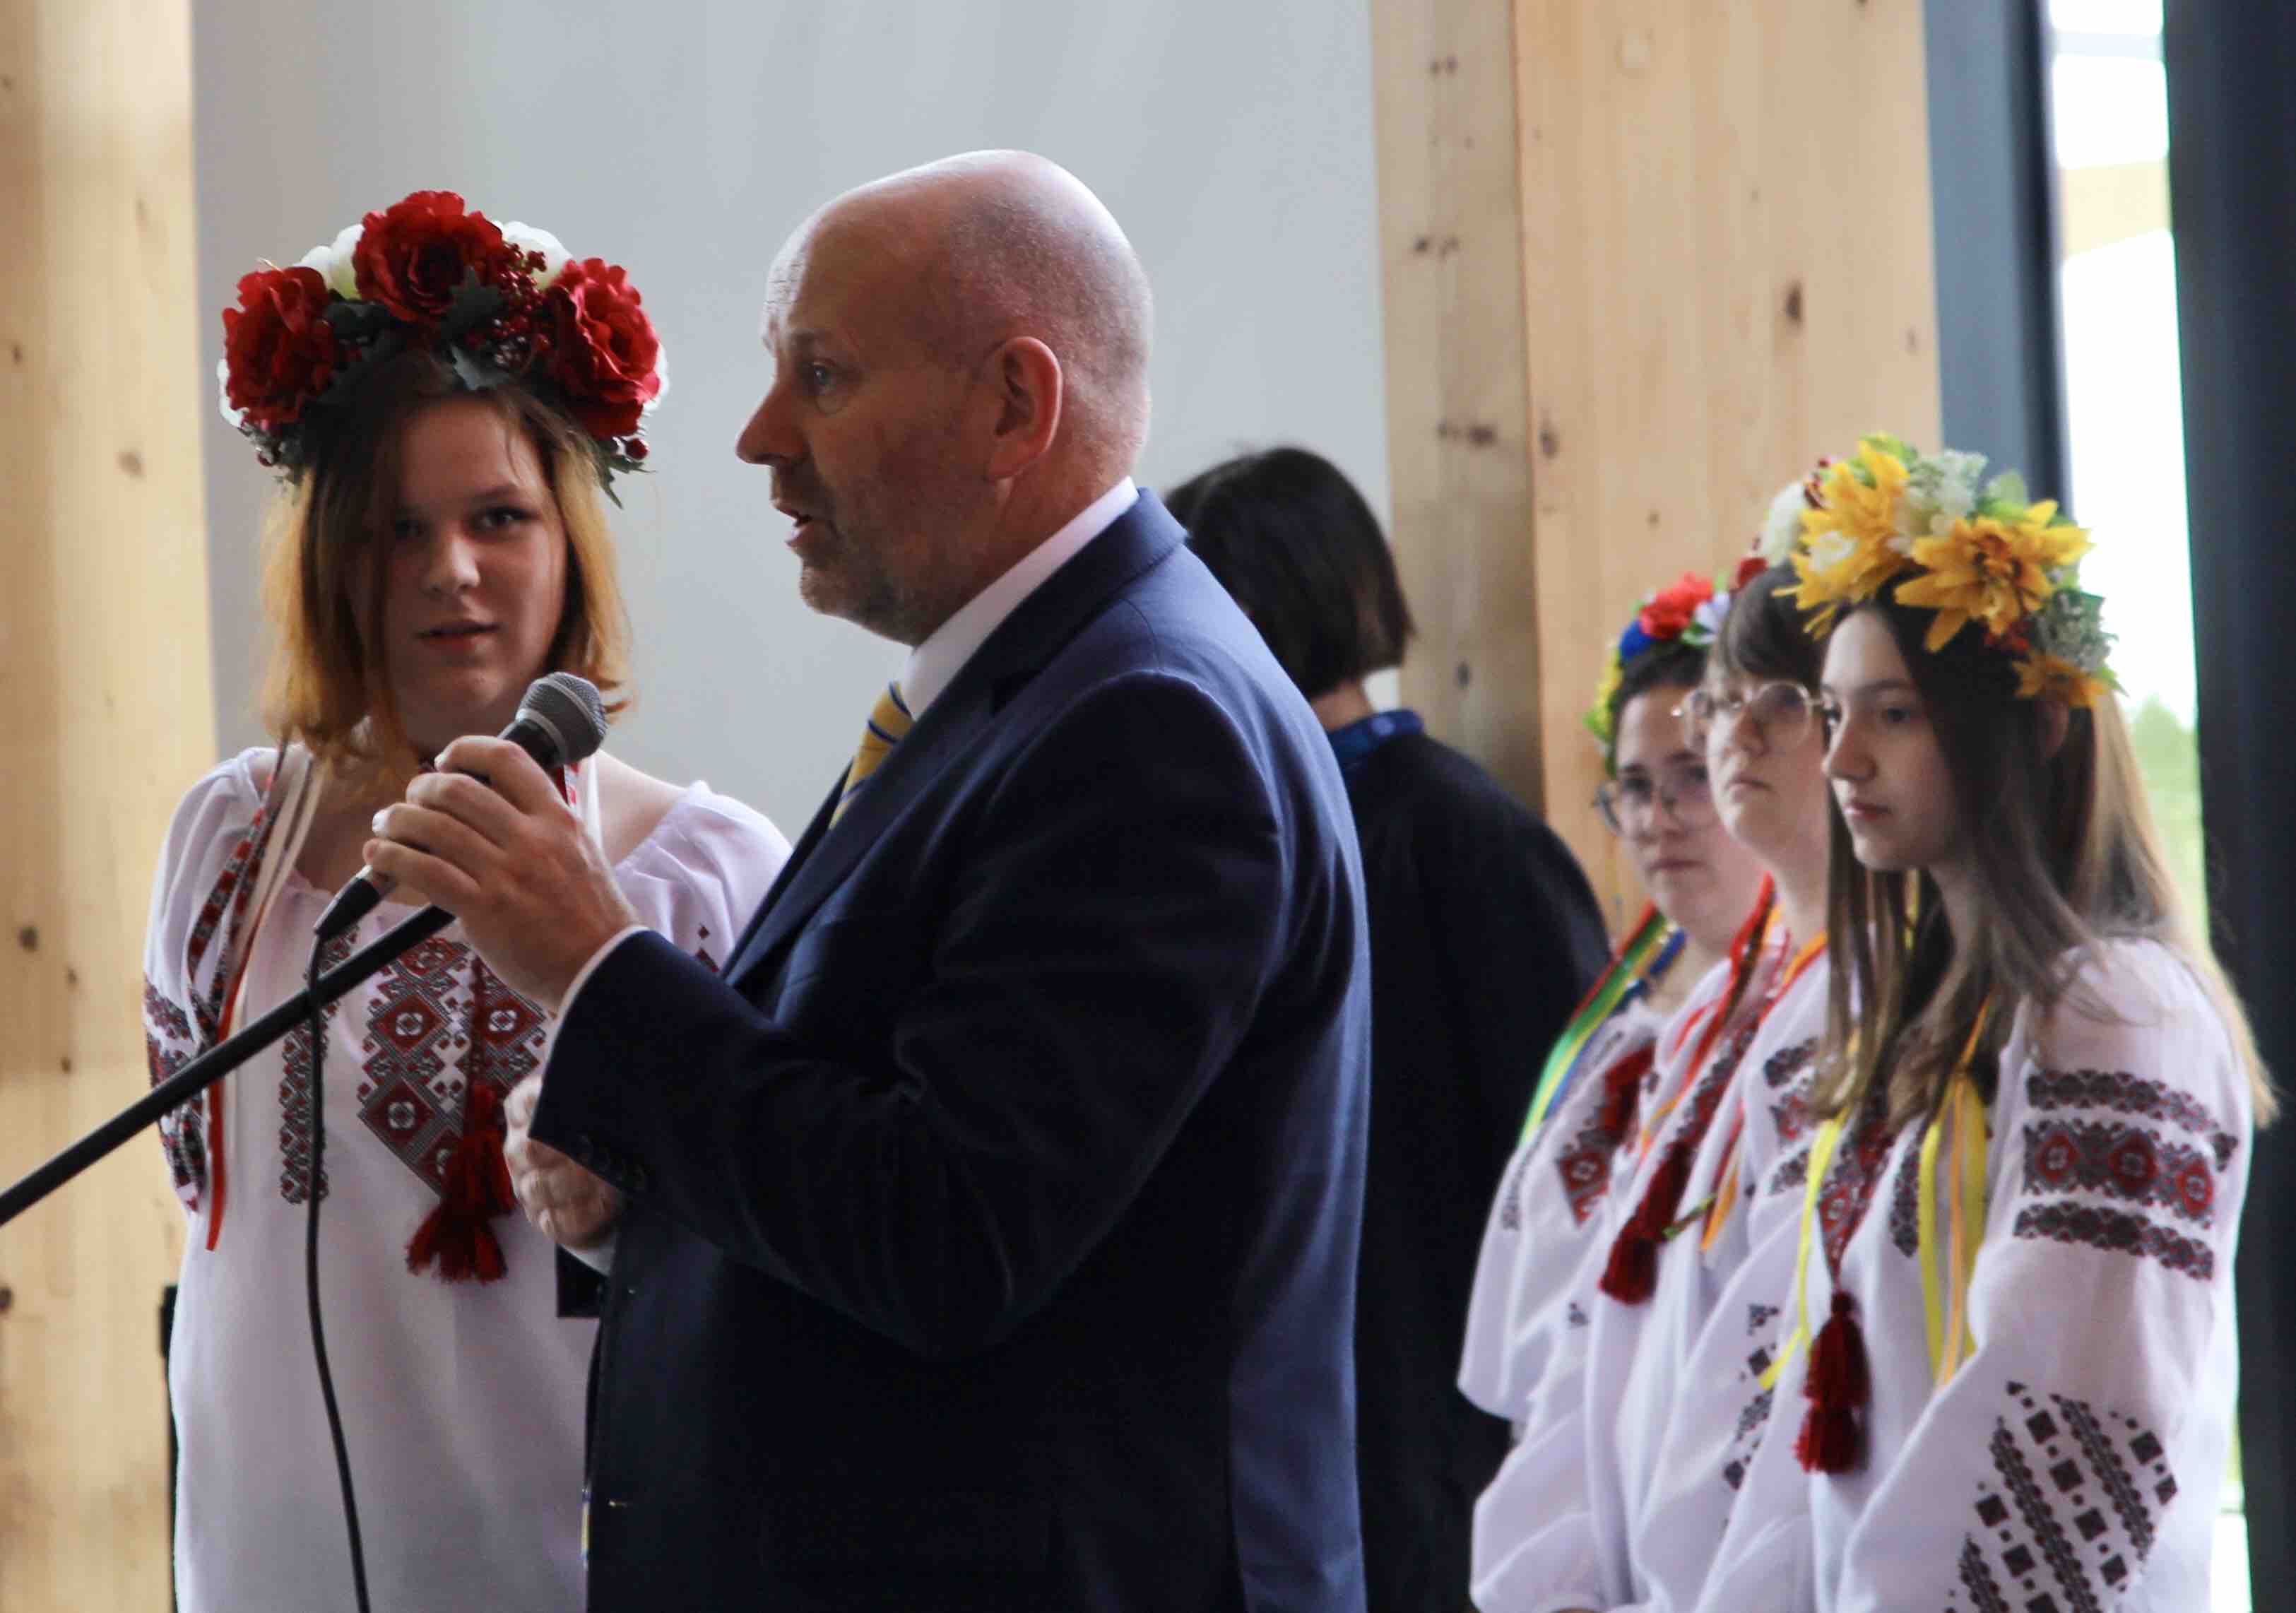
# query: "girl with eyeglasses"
[[1653, 1390], [1553, 1527], [2007, 1370]]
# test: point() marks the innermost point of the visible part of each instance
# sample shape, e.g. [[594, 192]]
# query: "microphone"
[[560, 720]]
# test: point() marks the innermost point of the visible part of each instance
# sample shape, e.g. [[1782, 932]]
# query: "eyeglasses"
[[1681, 789], [1780, 711]]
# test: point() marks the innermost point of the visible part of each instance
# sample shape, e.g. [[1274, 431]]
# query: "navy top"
[[1354, 744]]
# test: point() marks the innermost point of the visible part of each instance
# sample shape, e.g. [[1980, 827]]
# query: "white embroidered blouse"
[[2074, 1459], [1532, 1541], [461, 1402], [1548, 1207]]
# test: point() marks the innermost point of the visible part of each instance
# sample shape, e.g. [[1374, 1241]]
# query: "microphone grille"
[[570, 705]]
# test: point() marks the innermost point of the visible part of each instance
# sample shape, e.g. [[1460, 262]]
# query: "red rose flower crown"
[[495, 302]]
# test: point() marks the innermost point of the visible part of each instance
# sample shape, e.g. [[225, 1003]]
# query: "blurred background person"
[[1485, 937]]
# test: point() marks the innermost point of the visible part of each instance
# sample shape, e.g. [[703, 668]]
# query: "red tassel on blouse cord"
[[455, 1233], [1631, 1273], [1622, 1085], [1836, 1390]]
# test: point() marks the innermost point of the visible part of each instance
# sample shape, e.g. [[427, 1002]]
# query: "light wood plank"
[[105, 715], [1458, 456], [1724, 271]]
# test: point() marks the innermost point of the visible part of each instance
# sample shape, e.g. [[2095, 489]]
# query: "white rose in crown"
[[234, 418], [526, 238], [333, 262], [1830, 548], [1782, 526]]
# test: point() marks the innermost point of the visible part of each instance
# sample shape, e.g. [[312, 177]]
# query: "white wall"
[[1231, 138]]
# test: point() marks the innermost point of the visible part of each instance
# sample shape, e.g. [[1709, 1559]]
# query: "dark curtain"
[[2232, 171]]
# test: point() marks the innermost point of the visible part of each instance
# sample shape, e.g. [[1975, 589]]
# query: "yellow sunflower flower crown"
[[1975, 552]]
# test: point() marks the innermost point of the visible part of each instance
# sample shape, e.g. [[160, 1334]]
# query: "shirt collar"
[[934, 664], [1355, 740]]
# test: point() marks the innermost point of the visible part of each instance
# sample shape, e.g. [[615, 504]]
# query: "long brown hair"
[[326, 687], [2065, 856]]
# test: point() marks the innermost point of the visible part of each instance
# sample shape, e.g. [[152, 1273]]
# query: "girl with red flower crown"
[[445, 397], [2001, 1336]]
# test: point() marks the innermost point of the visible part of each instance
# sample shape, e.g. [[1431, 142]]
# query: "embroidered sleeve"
[[2093, 1415], [194, 887], [170, 1045], [1550, 1204], [700, 880]]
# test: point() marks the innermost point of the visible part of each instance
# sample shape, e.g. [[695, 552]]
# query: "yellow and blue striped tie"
[[888, 723]]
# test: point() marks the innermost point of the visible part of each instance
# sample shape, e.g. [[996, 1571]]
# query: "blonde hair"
[[325, 686], [2067, 856]]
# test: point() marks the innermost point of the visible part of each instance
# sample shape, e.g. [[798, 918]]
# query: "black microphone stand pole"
[[219, 1062]]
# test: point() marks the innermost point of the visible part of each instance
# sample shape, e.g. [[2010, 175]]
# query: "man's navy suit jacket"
[[992, 1224]]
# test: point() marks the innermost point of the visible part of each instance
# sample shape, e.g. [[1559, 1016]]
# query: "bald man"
[[984, 1237]]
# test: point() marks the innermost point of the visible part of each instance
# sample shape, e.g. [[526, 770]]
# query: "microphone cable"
[[311, 1275]]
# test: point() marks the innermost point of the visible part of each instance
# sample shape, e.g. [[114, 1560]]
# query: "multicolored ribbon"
[[1650, 947], [1950, 1340]]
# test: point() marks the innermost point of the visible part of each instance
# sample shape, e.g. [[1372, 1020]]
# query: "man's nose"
[[767, 439]]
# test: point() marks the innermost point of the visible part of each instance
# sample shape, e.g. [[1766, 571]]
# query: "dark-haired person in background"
[[1484, 937]]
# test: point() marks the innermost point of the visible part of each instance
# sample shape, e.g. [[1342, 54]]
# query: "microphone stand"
[[219, 1062]]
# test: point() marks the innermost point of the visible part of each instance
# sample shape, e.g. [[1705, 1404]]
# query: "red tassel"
[[1631, 1273], [477, 1190], [1836, 1387]]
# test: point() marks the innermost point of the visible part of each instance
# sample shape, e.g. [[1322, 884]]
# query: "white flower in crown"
[[1706, 621], [1831, 548], [234, 418], [526, 238], [662, 374], [1940, 489], [333, 262], [1782, 526]]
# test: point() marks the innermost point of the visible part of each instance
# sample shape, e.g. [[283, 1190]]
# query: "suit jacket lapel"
[[1036, 630], [741, 957]]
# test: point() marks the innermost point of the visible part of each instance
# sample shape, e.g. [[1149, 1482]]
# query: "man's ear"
[[1029, 390]]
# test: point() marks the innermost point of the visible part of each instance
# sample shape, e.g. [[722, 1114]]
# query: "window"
[[2117, 288]]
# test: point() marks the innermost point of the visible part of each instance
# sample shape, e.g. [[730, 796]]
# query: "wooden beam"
[[105, 715], [1458, 408], [1724, 270]]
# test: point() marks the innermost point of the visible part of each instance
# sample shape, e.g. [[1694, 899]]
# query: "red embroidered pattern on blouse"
[[1849, 1183], [439, 1019], [2120, 1161], [295, 1092], [2109, 1155]]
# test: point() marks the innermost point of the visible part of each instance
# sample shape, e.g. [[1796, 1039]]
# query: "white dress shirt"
[[934, 664]]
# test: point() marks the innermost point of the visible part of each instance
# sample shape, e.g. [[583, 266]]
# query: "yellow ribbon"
[[1950, 1340], [1821, 1159]]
